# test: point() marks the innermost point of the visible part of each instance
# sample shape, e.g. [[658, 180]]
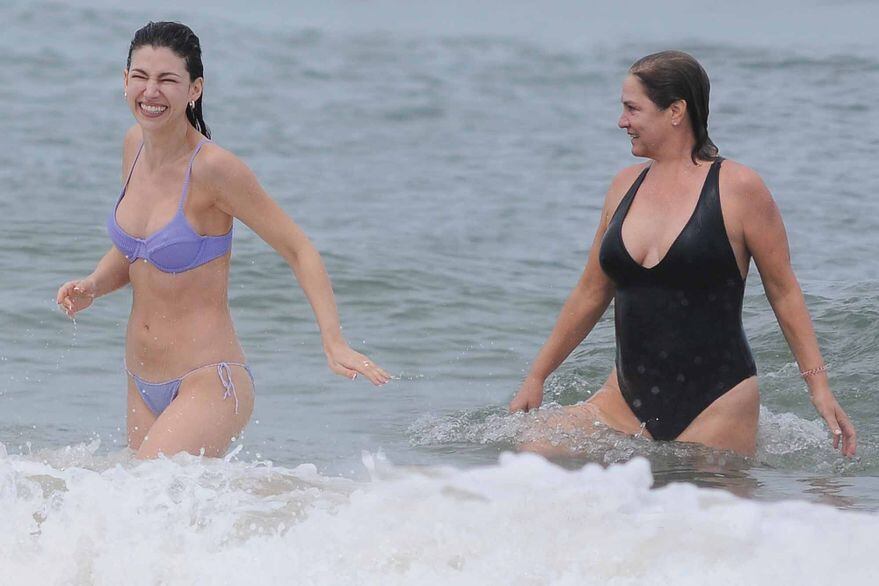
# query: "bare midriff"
[[179, 321]]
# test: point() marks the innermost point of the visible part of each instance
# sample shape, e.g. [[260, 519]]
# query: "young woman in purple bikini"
[[189, 388]]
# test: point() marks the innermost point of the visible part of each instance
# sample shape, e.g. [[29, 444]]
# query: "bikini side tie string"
[[225, 374]]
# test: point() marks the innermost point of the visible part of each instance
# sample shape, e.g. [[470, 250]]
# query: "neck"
[[168, 144], [676, 156], [676, 150]]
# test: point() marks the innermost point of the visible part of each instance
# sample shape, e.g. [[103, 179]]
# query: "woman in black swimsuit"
[[672, 250]]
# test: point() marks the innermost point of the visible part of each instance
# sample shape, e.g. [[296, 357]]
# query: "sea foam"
[[523, 521]]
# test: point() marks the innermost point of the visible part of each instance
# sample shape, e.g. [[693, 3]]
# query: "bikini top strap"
[[130, 171], [189, 171]]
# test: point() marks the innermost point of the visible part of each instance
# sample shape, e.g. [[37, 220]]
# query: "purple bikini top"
[[176, 247]]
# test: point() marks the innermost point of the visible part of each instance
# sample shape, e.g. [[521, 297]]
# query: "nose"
[[623, 122], [152, 88]]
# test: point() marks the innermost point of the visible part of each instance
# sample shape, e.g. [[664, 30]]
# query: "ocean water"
[[449, 162]]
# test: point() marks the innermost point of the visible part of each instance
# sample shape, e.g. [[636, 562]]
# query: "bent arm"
[[590, 297], [112, 271], [110, 274], [766, 240], [581, 311]]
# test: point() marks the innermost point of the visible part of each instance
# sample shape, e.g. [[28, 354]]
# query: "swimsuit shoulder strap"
[[188, 178], [712, 181], [623, 207], [130, 171]]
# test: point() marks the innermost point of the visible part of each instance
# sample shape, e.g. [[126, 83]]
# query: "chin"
[[149, 122]]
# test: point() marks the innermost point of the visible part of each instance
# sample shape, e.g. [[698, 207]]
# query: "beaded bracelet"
[[814, 371]]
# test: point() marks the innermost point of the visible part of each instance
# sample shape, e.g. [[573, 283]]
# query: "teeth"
[[153, 109]]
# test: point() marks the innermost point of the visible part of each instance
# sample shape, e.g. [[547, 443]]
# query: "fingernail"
[[354, 376]]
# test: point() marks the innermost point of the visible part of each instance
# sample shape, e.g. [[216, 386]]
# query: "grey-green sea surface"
[[452, 182]]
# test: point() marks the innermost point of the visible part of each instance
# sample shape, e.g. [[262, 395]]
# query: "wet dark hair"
[[669, 76], [180, 39]]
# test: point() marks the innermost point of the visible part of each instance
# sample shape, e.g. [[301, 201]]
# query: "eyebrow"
[[163, 74], [629, 103]]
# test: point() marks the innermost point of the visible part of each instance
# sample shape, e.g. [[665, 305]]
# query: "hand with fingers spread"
[[74, 296], [844, 435], [345, 361], [529, 397]]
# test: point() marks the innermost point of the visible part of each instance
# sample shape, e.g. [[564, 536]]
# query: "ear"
[[125, 80], [195, 89], [678, 111]]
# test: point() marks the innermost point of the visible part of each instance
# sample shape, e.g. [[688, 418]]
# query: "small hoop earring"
[[192, 105], [124, 94]]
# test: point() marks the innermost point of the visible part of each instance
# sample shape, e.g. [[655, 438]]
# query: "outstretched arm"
[[239, 194], [582, 310], [766, 240]]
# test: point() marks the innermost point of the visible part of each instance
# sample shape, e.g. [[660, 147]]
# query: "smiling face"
[[158, 87], [647, 125]]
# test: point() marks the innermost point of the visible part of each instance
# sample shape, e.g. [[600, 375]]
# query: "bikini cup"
[[176, 247]]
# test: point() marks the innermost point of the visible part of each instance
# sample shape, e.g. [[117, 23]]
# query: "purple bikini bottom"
[[158, 396]]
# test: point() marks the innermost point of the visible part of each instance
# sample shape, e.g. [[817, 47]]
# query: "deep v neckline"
[[682, 231]]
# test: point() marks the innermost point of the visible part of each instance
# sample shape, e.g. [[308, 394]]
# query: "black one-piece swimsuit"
[[679, 338]]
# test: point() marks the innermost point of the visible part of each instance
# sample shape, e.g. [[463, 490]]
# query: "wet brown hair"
[[670, 76], [180, 39]]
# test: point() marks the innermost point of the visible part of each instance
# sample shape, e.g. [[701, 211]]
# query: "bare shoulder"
[[742, 181], [222, 171], [620, 184], [626, 176], [130, 144], [133, 136], [743, 191]]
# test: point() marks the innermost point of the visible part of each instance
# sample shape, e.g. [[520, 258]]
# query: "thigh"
[[730, 422], [614, 411], [200, 420], [563, 431], [138, 417]]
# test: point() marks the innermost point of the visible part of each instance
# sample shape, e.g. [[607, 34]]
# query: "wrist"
[[817, 383], [819, 390], [333, 342], [536, 378], [89, 285]]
